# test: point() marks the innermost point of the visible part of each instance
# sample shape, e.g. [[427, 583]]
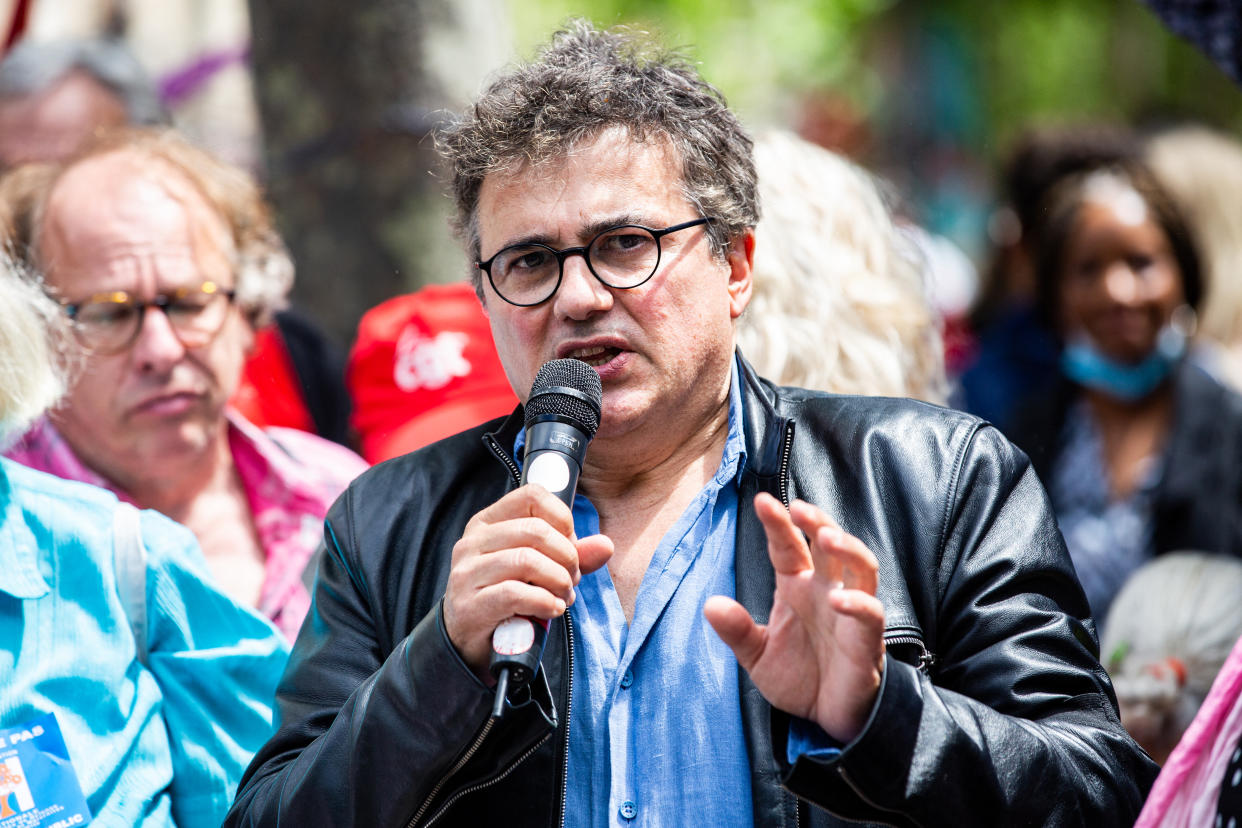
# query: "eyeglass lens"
[[622, 257], [111, 322]]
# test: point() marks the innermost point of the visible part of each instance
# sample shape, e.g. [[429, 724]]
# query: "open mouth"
[[594, 356]]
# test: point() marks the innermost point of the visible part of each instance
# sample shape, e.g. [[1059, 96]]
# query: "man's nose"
[[580, 295], [157, 346]]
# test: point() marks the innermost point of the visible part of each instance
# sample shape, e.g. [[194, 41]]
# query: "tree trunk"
[[347, 95]]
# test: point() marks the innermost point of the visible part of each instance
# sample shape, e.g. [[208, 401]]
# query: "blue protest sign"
[[38, 787]]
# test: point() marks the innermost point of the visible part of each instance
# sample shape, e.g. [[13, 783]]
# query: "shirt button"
[[627, 679], [628, 810]]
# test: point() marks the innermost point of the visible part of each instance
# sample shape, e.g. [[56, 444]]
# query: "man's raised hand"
[[821, 654]]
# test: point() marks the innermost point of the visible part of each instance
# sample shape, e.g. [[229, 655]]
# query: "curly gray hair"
[[584, 82]]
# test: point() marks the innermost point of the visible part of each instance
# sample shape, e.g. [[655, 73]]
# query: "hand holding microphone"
[[562, 416], [518, 557]]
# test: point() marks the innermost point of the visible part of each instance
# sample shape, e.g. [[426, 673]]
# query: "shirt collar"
[[19, 558], [734, 459], [268, 473], [43, 448]]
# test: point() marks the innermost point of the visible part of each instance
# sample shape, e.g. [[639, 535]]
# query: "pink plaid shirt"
[[290, 478]]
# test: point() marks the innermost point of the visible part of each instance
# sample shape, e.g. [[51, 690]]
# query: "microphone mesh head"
[[567, 388]]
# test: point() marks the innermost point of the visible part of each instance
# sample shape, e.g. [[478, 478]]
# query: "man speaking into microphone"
[[767, 606]]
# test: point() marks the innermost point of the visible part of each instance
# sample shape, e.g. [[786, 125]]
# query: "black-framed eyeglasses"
[[621, 257], [109, 322]]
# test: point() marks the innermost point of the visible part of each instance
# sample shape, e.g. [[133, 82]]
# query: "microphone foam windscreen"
[[567, 388]]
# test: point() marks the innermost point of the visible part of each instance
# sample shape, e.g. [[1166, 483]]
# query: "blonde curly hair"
[[839, 299], [33, 361], [1201, 169]]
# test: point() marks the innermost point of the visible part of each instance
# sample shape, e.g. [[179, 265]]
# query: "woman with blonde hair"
[[32, 363], [1136, 445], [839, 301], [1202, 171]]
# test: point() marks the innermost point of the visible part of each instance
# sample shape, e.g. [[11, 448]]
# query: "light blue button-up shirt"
[[159, 745], [655, 727]]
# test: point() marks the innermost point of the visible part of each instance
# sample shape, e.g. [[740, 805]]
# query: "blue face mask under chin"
[[1083, 363]]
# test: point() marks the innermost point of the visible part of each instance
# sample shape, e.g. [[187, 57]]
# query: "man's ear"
[[479, 292], [741, 260]]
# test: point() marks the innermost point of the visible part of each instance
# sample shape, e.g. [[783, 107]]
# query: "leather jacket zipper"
[[470, 752], [926, 657], [786, 452], [486, 783], [503, 456], [516, 474], [569, 634]]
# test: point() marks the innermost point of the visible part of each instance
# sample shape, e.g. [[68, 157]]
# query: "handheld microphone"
[[562, 415]]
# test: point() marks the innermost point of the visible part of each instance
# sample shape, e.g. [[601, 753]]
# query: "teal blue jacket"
[[159, 744]]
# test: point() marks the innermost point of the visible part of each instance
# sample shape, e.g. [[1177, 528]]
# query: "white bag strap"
[[131, 572]]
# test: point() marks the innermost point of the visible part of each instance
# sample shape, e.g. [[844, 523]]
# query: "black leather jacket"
[[993, 708]]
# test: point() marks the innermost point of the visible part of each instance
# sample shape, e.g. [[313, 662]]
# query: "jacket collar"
[[764, 428]]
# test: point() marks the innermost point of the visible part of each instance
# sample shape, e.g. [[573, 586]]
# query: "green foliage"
[[1079, 60], [761, 53], [1013, 62]]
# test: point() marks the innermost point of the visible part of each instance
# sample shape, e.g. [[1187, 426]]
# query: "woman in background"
[[1137, 447]]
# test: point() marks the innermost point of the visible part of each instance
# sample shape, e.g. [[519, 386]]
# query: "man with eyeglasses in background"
[[925, 655], [166, 261]]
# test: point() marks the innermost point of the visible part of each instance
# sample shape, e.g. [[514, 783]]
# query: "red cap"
[[422, 368]]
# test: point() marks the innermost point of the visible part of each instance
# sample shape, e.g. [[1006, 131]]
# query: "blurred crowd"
[[149, 358]]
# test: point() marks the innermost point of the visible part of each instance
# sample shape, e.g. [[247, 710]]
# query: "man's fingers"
[[521, 564], [838, 556], [736, 628], [536, 533], [811, 520], [862, 636], [847, 558], [593, 552], [531, 500], [509, 598], [786, 545]]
